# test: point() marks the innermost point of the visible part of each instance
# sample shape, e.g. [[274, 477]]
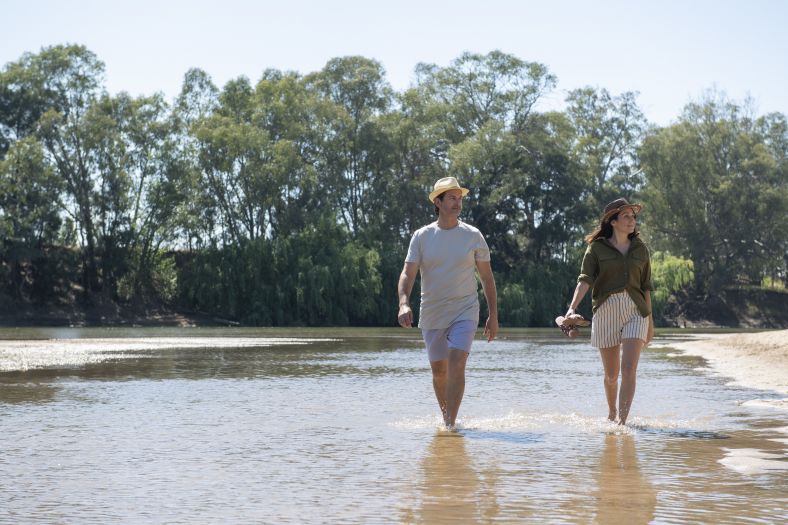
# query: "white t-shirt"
[[447, 261]]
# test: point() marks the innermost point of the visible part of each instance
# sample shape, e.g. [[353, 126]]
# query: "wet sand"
[[755, 360]]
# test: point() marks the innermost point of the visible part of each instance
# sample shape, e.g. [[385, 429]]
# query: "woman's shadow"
[[623, 494]]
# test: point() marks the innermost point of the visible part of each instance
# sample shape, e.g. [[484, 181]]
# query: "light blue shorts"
[[459, 335]]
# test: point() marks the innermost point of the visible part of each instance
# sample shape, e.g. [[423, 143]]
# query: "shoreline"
[[756, 360]]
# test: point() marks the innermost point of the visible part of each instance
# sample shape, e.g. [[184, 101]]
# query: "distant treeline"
[[290, 201]]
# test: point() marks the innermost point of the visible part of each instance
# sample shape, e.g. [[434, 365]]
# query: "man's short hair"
[[437, 210]]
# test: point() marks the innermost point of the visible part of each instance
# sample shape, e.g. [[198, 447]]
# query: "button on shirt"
[[447, 262], [609, 271]]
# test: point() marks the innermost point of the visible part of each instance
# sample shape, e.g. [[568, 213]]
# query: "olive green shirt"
[[608, 271]]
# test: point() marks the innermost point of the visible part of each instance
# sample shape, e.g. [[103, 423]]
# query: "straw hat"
[[617, 206], [445, 184]]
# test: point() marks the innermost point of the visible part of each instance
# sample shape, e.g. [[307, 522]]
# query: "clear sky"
[[670, 51]]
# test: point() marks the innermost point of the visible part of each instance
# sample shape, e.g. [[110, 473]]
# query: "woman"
[[617, 266]]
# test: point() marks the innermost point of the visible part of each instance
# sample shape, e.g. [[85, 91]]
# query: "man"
[[447, 252]]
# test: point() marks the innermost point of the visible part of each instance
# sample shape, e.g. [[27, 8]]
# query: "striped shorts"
[[616, 319]]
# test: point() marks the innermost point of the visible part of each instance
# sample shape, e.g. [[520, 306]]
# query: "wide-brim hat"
[[445, 184], [617, 206]]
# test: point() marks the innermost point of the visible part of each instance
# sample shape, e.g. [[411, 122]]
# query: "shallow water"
[[322, 426]]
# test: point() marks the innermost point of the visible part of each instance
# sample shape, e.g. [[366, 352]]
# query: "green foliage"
[[29, 217], [150, 278], [608, 131], [290, 201], [669, 274], [301, 279], [718, 192]]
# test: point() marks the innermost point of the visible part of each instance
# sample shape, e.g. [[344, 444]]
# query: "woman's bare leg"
[[611, 360], [629, 367]]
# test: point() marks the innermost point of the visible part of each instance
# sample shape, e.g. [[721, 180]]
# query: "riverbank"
[[105, 313], [754, 360], [738, 308], [729, 307]]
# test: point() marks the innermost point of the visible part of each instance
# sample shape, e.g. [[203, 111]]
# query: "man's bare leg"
[[440, 371], [611, 360], [455, 388], [629, 366]]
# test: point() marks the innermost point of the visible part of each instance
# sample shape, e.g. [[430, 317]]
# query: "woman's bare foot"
[[612, 415]]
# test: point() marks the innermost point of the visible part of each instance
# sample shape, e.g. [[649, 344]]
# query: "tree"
[[196, 218], [29, 213], [352, 155], [476, 89], [73, 77], [290, 113], [608, 132], [718, 193], [234, 155]]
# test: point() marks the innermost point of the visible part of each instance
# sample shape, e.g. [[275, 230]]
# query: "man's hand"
[[491, 328], [405, 317], [650, 333], [404, 286]]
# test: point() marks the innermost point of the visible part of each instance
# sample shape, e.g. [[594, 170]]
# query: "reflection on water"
[[453, 488], [623, 494], [13, 392], [311, 426]]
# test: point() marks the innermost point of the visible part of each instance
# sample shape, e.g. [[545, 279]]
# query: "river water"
[[341, 426]]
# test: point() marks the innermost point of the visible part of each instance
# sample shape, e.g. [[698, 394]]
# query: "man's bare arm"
[[406, 280], [491, 295]]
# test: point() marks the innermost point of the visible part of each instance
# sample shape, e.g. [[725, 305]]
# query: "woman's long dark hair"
[[605, 229]]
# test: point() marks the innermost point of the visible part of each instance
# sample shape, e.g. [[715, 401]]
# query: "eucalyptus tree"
[[418, 157], [155, 191], [197, 217], [477, 89], [293, 117], [718, 192], [29, 219], [38, 82], [73, 79], [233, 155], [772, 132], [353, 157], [486, 102], [608, 131]]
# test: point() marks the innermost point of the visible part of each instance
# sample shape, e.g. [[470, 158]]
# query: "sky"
[[671, 52]]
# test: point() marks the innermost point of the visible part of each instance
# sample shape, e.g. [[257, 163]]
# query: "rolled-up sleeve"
[[590, 267], [481, 252]]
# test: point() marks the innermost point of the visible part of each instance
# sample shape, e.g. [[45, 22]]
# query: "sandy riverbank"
[[755, 360]]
